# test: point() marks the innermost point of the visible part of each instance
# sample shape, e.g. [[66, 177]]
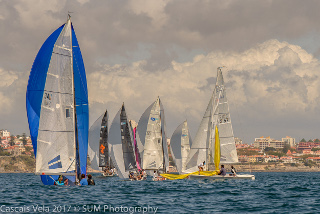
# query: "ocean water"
[[271, 192]]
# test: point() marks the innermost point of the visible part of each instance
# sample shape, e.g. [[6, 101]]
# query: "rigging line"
[[70, 164], [53, 180], [242, 131]]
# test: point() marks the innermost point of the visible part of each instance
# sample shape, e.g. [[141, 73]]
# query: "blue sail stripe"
[[54, 160], [56, 165]]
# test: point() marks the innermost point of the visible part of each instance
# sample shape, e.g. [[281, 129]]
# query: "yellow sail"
[[206, 173], [217, 149]]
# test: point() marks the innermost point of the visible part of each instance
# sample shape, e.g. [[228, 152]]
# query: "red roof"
[[314, 158], [9, 147]]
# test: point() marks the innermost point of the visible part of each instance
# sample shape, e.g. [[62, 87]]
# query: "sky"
[[137, 50]]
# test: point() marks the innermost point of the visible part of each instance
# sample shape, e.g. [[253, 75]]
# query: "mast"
[[213, 122], [74, 106], [163, 159]]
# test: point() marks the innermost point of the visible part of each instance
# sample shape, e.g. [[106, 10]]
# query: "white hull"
[[220, 177], [107, 175]]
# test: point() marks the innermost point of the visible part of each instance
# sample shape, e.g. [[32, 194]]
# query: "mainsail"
[[217, 114], [227, 142], [151, 133], [180, 146], [98, 143], [121, 146], [136, 149], [57, 107]]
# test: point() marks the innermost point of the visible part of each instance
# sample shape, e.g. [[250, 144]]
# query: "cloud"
[[136, 50], [6, 85], [273, 79]]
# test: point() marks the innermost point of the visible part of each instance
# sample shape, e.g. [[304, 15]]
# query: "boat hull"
[[219, 177]]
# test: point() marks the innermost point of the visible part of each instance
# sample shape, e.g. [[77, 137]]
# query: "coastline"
[[26, 164]]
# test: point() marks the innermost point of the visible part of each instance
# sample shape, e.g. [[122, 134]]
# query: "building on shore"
[[4, 133], [307, 145], [263, 142], [290, 141]]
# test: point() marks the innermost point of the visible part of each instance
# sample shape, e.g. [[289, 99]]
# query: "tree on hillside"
[[24, 139], [268, 149], [286, 148], [303, 140], [279, 154], [11, 142]]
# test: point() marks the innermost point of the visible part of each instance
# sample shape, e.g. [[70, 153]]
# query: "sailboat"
[[98, 144], [217, 114], [211, 146], [121, 145], [57, 108], [151, 136], [214, 175], [180, 146]]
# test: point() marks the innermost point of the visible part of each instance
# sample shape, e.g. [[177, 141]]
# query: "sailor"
[[139, 175], [83, 181], [233, 171], [155, 176], [144, 174], [59, 182], [131, 176], [222, 171], [201, 166], [90, 180], [66, 182]]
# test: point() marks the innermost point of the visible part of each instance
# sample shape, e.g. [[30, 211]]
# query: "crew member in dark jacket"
[[90, 180]]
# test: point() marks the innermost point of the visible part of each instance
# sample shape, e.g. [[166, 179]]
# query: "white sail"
[[115, 146], [94, 138], [180, 146], [227, 142], [152, 135], [164, 138], [217, 114], [56, 139], [141, 131], [198, 151]]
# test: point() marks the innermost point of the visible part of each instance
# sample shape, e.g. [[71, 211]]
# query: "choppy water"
[[275, 192]]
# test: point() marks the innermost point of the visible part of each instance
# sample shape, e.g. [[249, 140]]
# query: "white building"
[[238, 141], [262, 142], [289, 140], [4, 133]]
